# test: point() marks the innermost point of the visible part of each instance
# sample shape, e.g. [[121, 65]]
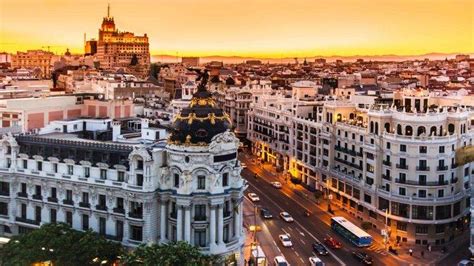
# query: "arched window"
[[421, 130], [339, 117], [451, 129], [371, 126], [433, 131], [376, 128], [408, 131], [351, 116], [387, 127], [399, 129], [441, 131]]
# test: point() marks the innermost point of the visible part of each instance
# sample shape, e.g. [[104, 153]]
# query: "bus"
[[351, 232]]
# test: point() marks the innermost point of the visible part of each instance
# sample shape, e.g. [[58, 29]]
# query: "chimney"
[[116, 126]]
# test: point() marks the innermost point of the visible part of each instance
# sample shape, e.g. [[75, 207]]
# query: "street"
[[304, 230]]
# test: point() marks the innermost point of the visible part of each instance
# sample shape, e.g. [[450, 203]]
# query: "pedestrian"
[[422, 254], [410, 251], [429, 248]]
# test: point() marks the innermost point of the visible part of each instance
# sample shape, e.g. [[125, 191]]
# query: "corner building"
[[142, 190]]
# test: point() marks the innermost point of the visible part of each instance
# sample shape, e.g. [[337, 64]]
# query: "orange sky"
[[265, 28]]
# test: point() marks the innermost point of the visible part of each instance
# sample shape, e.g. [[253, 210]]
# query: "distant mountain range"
[[240, 59]]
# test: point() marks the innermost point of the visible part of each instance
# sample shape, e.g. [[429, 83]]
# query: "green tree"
[[173, 254], [61, 245], [155, 70]]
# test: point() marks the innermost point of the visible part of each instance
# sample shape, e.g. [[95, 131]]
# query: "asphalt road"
[[305, 230]]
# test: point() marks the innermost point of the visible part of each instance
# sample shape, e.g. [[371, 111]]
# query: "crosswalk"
[[378, 250]]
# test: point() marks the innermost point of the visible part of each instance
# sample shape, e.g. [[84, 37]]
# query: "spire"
[[108, 10]]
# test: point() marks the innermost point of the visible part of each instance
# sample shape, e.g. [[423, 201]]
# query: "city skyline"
[[278, 29]]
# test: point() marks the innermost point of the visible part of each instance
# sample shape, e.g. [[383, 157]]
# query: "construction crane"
[[51, 46]]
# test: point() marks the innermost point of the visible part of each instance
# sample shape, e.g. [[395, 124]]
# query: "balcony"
[[173, 215], [51, 199], [5, 193], [442, 168], [22, 195], [387, 177], [84, 205], [68, 202], [37, 197], [454, 166], [421, 183], [387, 163], [200, 218], [119, 210], [402, 166], [27, 221], [100, 207], [422, 168], [454, 180], [135, 215]]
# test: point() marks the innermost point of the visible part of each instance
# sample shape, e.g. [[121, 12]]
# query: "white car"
[[243, 165], [281, 261], [286, 217], [285, 240], [253, 197], [276, 184], [315, 261]]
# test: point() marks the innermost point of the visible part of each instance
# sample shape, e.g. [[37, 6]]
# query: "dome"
[[200, 121]]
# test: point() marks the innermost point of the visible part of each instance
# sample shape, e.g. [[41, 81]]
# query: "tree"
[[173, 254], [318, 194], [60, 244], [155, 70]]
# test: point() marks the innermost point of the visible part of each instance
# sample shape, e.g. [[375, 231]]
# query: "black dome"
[[200, 122]]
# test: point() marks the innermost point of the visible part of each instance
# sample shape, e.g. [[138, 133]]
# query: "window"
[[3, 208], [87, 172], [102, 226], [388, 145], [38, 214], [5, 188], [439, 228], [119, 229], [367, 198], [139, 180], [403, 147], [53, 193], [119, 203], [23, 188], [70, 169], [421, 229], [85, 222], [121, 176], [53, 216], [200, 238], [37, 190], [200, 212], [176, 180], [422, 193], [39, 166], [136, 233], [85, 197], [23, 211], [69, 194], [402, 191], [69, 218], [401, 226], [423, 149], [25, 164], [441, 149], [102, 200], [422, 180], [139, 165], [55, 167], [225, 179], [440, 193], [103, 174], [201, 182]]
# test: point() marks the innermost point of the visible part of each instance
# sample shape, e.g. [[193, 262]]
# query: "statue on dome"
[[203, 76]]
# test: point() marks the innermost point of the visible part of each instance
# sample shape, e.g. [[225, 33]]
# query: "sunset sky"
[[262, 28]]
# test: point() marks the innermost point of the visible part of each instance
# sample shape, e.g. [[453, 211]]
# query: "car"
[[276, 184], [253, 197], [280, 261], [315, 261], [332, 243], [285, 240], [319, 249], [362, 257], [465, 263], [286, 217], [243, 165], [265, 213]]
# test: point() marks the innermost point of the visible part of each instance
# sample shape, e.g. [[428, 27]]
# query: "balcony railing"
[[200, 218], [101, 207], [135, 215], [173, 215], [442, 168], [28, 221], [421, 183], [387, 163], [387, 177], [422, 168], [84, 204], [22, 194], [37, 197], [51, 199], [68, 202], [119, 210], [402, 166], [5, 193]]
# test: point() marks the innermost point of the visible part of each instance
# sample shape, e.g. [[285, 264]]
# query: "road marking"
[[285, 231], [302, 241], [301, 259], [296, 222], [301, 233], [291, 229]]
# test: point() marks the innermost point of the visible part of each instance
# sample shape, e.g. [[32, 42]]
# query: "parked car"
[[315, 261], [465, 263], [332, 243], [319, 249], [276, 184], [363, 257], [285, 240], [280, 261], [253, 197], [265, 213], [286, 217]]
